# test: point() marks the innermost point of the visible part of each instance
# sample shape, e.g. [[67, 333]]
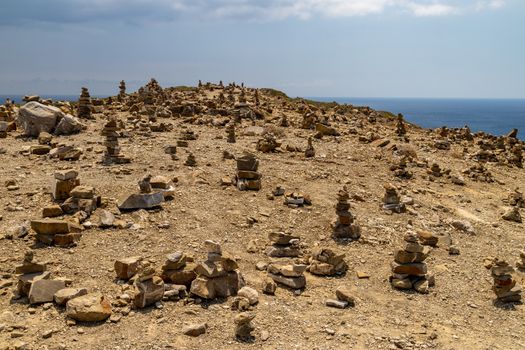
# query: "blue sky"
[[358, 48]]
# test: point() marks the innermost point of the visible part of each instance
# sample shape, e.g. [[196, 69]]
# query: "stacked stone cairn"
[[85, 105], [178, 273], [230, 132], [268, 143], [122, 91], [218, 276], [247, 177], [149, 288], [505, 287], [288, 274], [326, 262], [146, 199], [409, 270], [28, 272], [112, 154], [3, 129], [521, 264], [310, 151], [172, 151], [190, 161], [243, 326], [283, 245], [400, 126], [345, 227], [392, 201]]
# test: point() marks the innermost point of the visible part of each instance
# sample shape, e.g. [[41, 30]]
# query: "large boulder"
[[69, 125], [89, 308], [35, 118]]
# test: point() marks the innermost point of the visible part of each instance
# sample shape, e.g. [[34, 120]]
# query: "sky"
[[322, 48]]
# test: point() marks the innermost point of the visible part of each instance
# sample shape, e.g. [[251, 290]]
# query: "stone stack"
[[392, 201], [409, 271], [82, 198], [400, 168], [243, 326], [230, 132], [325, 262], [29, 271], [521, 264], [58, 232], [344, 227], [188, 135], [3, 129], [505, 286], [178, 269], [172, 151], [122, 91], [146, 199], [400, 126], [218, 276], [112, 154], [283, 245], [288, 274], [242, 96], [190, 161], [247, 177], [256, 97], [149, 288], [64, 182], [310, 151], [84, 105], [268, 143]]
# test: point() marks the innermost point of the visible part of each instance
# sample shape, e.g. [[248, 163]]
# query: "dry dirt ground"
[[458, 313]]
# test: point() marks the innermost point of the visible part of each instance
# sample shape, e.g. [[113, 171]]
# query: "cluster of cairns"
[[478, 172], [247, 177], [344, 227], [85, 106], [505, 286], [35, 283], [112, 155], [409, 270]]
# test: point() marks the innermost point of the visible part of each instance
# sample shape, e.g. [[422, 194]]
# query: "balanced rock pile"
[[243, 326], [83, 199], [218, 276], [284, 245], [325, 262], [310, 151], [344, 227], [247, 177], [112, 154], [29, 272], [122, 91], [84, 104], [505, 286], [268, 143], [149, 288], [146, 199], [230, 133], [409, 269], [288, 274], [178, 269], [65, 182], [391, 200]]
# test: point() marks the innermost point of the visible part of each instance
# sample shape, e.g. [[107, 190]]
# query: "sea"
[[495, 116]]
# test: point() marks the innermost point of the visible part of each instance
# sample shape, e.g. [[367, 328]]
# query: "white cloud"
[[427, 10], [489, 4]]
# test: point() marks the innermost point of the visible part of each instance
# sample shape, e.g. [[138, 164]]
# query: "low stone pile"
[[409, 271], [243, 326], [247, 177], [505, 286], [178, 269], [310, 150], [288, 274], [268, 143], [146, 199], [325, 262], [345, 227], [148, 286], [392, 201], [217, 276], [284, 245]]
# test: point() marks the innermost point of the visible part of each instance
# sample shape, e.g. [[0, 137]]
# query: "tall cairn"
[[122, 91], [344, 227], [505, 286], [84, 105], [112, 154]]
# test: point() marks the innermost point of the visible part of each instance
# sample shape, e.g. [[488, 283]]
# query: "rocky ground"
[[354, 147]]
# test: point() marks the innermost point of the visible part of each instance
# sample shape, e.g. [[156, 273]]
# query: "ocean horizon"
[[494, 116]]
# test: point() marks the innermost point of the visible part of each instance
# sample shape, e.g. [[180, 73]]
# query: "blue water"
[[18, 98], [496, 117]]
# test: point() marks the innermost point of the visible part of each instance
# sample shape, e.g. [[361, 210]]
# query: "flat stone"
[[50, 226], [195, 330], [415, 269], [127, 267], [339, 304], [281, 238], [62, 296], [292, 282], [89, 308], [52, 211], [64, 175], [141, 201], [84, 192], [345, 294], [43, 291]]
